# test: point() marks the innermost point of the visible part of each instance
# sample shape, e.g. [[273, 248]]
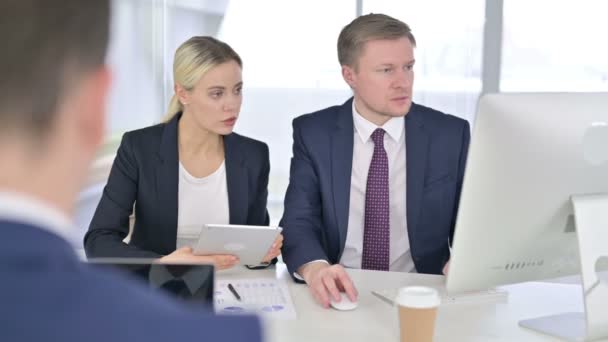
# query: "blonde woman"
[[190, 170]]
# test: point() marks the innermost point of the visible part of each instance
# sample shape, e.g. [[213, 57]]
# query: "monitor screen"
[[193, 283], [529, 154]]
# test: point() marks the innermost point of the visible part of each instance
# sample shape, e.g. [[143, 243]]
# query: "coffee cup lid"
[[419, 297]]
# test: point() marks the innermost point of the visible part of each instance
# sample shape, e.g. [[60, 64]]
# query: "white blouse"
[[201, 201]]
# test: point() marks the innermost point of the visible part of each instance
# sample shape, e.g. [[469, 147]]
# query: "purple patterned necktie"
[[376, 234]]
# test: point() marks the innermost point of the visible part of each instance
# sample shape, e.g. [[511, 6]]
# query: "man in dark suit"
[[375, 182], [52, 100]]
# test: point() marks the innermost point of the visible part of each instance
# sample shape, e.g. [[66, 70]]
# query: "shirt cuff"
[[299, 277]]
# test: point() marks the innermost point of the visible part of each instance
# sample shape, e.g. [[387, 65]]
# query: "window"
[[448, 52], [135, 98], [563, 52], [289, 52]]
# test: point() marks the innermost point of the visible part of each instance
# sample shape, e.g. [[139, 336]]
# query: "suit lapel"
[[236, 177], [341, 167], [167, 178], [416, 159]]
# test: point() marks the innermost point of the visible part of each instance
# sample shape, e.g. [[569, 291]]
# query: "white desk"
[[375, 321]]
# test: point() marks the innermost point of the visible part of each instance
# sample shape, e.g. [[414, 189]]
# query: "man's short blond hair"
[[369, 27]]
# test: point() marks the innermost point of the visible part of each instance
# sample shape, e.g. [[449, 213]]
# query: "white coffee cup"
[[417, 312]]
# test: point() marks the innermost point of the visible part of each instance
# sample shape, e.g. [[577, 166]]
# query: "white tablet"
[[249, 243]]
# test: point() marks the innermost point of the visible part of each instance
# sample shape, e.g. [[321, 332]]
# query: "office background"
[[288, 47]]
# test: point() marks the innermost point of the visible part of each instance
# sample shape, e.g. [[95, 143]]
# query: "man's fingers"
[[347, 284], [330, 285], [321, 293], [340, 286], [318, 298]]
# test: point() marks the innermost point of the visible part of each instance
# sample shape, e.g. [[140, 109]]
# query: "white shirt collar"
[[22, 208], [364, 128]]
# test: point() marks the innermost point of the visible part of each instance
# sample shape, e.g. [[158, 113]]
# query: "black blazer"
[[145, 172]]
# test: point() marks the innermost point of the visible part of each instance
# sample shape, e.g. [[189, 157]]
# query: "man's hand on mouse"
[[327, 281]]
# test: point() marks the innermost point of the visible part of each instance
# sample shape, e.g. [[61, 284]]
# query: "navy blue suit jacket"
[[146, 172], [315, 219], [47, 294]]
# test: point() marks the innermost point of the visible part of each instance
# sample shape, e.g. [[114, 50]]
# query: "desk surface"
[[374, 320]]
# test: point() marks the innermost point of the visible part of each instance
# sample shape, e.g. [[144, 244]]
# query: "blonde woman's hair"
[[365, 28], [193, 59]]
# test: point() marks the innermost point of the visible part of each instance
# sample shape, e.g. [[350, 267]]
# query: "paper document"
[[267, 297], [488, 296]]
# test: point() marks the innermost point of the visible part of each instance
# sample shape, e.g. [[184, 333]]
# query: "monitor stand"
[[591, 218]]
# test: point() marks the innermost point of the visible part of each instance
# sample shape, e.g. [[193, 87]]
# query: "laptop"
[[187, 282]]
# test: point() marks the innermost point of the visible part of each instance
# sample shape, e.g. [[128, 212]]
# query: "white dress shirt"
[[363, 150], [200, 201], [26, 209]]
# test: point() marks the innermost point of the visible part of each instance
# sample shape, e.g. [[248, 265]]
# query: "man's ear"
[[349, 76]]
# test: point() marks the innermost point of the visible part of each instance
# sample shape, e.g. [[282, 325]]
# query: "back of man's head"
[[53, 89], [48, 46]]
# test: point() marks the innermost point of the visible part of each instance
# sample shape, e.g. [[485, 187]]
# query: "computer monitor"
[[533, 155]]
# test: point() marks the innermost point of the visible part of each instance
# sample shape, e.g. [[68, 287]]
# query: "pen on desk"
[[233, 290]]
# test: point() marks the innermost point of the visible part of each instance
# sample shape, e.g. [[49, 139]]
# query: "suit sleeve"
[[110, 224], [301, 222], [466, 137]]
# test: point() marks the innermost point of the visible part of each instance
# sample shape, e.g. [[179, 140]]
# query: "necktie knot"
[[378, 137]]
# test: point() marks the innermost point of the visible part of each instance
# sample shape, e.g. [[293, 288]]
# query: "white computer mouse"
[[343, 305]]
